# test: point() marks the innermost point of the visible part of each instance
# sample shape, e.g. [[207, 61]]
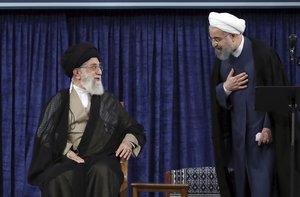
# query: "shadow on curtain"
[[157, 61]]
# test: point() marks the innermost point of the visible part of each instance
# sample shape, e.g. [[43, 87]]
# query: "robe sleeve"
[[132, 139], [44, 153], [222, 97]]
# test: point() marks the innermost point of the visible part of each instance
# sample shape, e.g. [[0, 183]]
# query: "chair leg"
[[123, 193], [135, 192], [184, 193]]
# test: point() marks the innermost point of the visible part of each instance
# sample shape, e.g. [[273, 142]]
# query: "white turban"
[[227, 22]]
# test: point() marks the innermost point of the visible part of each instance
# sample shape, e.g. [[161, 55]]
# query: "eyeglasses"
[[93, 67], [217, 40]]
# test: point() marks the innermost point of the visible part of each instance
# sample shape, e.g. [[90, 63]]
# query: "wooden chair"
[[124, 186], [159, 187], [124, 166]]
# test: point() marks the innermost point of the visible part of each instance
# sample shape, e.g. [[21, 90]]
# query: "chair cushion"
[[202, 180]]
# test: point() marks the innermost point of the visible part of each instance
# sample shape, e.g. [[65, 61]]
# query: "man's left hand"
[[265, 137], [124, 150]]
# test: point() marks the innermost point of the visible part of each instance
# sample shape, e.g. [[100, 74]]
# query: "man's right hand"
[[72, 155], [237, 82]]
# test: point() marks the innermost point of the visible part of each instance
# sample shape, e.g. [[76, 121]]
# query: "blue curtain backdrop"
[[157, 61]]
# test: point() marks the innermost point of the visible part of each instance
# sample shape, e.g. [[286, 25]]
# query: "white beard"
[[224, 53], [91, 85]]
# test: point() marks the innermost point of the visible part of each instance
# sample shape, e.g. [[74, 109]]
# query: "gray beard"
[[224, 53], [92, 86]]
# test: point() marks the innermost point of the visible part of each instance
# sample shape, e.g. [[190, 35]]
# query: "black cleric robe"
[[268, 71], [107, 126]]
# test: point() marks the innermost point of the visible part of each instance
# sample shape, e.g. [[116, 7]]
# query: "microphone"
[[292, 44]]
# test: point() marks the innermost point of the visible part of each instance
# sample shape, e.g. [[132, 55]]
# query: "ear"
[[233, 37], [76, 73]]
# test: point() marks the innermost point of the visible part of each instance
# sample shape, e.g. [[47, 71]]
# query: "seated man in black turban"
[[83, 133]]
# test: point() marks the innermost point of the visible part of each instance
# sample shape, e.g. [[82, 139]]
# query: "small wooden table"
[[159, 187]]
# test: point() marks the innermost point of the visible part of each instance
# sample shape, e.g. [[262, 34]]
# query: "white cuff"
[[227, 92]]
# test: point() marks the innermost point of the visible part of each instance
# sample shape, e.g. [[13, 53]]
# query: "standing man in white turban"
[[245, 162]]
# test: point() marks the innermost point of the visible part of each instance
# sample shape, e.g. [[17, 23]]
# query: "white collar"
[[238, 51], [82, 93]]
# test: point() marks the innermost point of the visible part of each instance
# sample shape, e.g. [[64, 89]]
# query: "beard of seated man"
[[93, 86]]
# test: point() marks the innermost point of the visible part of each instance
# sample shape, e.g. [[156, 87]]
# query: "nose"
[[99, 71]]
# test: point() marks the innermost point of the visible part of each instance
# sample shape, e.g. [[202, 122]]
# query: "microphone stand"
[[293, 107]]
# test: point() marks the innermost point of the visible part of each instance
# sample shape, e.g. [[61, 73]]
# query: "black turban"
[[76, 55]]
